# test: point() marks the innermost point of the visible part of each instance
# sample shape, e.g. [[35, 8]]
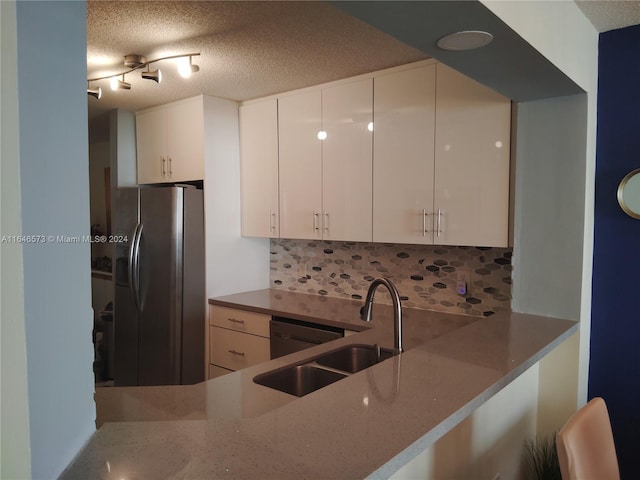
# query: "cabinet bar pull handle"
[[237, 353], [170, 172], [164, 170], [326, 225], [235, 321], [438, 230], [316, 218], [272, 221], [424, 222]]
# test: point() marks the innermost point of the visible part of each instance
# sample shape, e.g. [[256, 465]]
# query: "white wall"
[[234, 264], [549, 209], [549, 232], [486, 444], [15, 453], [560, 31], [55, 201]]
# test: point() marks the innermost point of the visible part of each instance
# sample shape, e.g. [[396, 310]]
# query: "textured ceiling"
[[610, 14], [257, 48], [248, 49]]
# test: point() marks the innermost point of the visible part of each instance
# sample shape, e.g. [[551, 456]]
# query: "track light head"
[[155, 75], [185, 69], [117, 84], [95, 92]]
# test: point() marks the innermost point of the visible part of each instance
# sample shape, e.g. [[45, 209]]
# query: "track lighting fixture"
[[94, 92], [135, 62]]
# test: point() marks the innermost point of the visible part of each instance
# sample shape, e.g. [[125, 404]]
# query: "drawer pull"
[[235, 321], [237, 353]]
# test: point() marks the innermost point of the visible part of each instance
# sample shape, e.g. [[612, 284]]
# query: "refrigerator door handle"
[[134, 266]]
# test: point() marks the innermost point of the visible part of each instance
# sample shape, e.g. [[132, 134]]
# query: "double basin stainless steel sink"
[[312, 374]]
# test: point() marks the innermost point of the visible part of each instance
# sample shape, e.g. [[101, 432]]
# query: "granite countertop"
[[230, 427]]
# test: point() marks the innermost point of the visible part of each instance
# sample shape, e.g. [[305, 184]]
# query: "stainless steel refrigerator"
[[159, 300]]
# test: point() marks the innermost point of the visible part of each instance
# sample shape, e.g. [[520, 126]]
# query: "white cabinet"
[[472, 153], [434, 171], [151, 146], [170, 142], [347, 169], [403, 156], [259, 169], [300, 121], [441, 159], [236, 339], [325, 145]]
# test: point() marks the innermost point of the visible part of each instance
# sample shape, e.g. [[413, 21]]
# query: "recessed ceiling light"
[[465, 40]]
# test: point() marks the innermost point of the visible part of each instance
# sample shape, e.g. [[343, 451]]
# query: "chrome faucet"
[[365, 311]]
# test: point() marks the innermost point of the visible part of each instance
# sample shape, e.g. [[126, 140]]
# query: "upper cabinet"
[[170, 142], [259, 169], [441, 159], [299, 124], [325, 166], [347, 120], [403, 156], [472, 153], [415, 154]]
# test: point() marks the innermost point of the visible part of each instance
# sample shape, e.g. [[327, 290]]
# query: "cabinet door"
[[403, 156], [299, 120], [151, 146], [472, 162], [259, 169], [185, 140], [347, 115]]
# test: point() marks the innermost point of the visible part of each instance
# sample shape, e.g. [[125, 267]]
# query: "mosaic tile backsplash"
[[426, 276]]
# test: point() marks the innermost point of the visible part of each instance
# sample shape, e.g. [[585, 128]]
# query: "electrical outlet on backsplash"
[[427, 276]]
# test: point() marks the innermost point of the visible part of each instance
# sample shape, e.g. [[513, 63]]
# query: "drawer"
[[239, 320], [235, 350]]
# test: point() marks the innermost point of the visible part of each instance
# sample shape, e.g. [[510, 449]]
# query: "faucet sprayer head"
[[365, 311]]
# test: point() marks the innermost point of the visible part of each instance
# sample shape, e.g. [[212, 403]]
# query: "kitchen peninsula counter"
[[368, 424]]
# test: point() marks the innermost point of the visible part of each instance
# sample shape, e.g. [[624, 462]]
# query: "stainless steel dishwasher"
[[288, 335]]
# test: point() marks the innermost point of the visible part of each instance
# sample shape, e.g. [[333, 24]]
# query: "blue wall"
[[54, 176], [614, 372]]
